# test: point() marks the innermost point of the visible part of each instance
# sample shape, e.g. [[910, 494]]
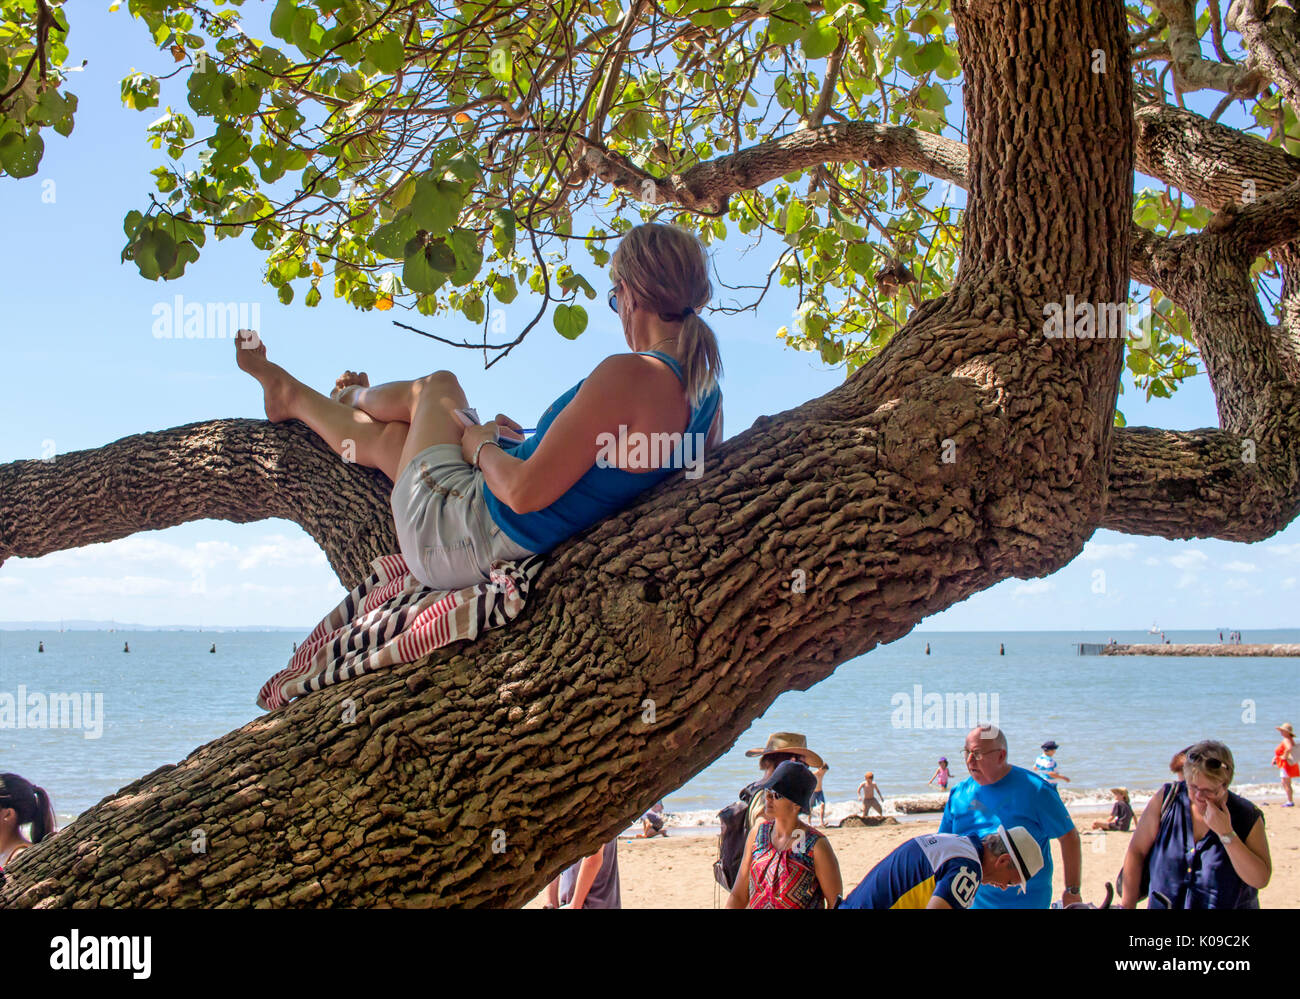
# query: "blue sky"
[[86, 369]]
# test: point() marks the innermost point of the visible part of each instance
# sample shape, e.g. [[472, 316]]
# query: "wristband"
[[1072, 889], [480, 448]]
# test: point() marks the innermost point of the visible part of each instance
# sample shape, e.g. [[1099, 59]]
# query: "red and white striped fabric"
[[393, 618]]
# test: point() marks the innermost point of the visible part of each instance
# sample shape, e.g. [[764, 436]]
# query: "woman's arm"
[[827, 868], [1250, 857], [739, 897], [1135, 859], [613, 395]]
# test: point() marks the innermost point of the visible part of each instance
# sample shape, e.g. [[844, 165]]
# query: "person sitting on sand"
[[787, 863], [869, 793], [1045, 765], [22, 803], [819, 796], [465, 496], [652, 822], [1121, 813], [943, 871], [1284, 760], [941, 776], [1205, 849]]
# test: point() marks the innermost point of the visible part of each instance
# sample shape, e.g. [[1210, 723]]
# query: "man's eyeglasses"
[[977, 755]]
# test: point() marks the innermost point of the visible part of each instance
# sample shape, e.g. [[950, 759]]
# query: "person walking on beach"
[[941, 776], [1045, 765], [22, 803], [869, 792], [819, 796], [466, 495], [942, 871], [590, 883], [1284, 760], [788, 864], [999, 794], [1203, 849], [1121, 813]]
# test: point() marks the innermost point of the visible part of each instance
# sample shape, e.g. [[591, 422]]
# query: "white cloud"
[[1283, 550], [1189, 561], [120, 586], [1235, 584], [1150, 560], [1239, 566], [1288, 583], [9, 583], [1094, 550], [1034, 588]]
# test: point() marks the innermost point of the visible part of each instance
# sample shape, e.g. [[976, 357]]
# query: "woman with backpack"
[[787, 863]]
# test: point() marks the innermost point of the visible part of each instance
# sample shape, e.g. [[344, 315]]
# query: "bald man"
[[999, 794]]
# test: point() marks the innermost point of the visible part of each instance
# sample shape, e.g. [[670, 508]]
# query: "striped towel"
[[393, 618]]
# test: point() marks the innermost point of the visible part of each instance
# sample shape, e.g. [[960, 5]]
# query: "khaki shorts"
[[444, 529]]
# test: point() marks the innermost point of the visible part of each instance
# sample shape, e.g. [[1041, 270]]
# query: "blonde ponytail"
[[667, 270]]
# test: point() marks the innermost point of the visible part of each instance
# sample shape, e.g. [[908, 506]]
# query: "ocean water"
[[1118, 719]]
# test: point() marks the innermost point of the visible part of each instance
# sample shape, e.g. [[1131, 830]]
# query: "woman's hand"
[[1216, 817], [512, 430], [474, 436]]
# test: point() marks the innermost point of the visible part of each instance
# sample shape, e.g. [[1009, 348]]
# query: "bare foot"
[[277, 384], [346, 384]]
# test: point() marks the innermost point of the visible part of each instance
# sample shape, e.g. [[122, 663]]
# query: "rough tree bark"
[[684, 601]]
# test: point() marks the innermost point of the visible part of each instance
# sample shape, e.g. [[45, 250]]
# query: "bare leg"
[[350, 433]]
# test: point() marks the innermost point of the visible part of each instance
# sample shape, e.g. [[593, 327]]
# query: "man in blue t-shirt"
[[998, 794], [940, 871]]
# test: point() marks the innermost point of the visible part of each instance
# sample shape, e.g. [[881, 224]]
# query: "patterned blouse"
[[784, 879]]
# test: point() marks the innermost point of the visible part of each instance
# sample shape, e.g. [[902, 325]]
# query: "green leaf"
[[467, 256], [391, 239], [313, 297], [860, 257], [503, 232], [569, 320], [504, 288], [929, 56], [436, 204], [21, 156], [386, 53], [418, 274], [285, 294], [282, 19], [820, 39]]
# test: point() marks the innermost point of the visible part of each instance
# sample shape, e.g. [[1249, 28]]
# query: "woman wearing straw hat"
[[1284, 760], [781, 746]]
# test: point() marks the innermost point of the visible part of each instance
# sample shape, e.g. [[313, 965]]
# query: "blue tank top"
[[1199, 875], [600, 491]]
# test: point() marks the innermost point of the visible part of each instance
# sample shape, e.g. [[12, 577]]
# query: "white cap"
[[1024, 852]]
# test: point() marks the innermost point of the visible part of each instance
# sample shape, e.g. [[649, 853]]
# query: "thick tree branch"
[[1271, 33], [1191, 70], [235, 470]]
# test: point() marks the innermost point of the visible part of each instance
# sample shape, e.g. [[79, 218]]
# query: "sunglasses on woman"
[[1208, 762]]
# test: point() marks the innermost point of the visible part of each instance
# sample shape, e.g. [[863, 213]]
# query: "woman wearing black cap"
[[22, 803], [787, 864]]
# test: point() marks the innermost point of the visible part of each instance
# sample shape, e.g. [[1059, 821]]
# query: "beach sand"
[[677, 872]]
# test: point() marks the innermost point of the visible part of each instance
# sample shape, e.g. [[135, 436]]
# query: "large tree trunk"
[[971, 450]]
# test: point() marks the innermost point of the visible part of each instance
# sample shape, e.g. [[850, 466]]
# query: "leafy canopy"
[[435, 155]]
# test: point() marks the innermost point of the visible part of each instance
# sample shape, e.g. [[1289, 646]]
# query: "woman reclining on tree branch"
[[461, 500]]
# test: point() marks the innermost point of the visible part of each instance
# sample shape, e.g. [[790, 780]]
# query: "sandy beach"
[[677, 872]]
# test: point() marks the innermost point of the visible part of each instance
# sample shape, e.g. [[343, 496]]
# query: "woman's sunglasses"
[[613, 299], [776, 797], [1208, 762]]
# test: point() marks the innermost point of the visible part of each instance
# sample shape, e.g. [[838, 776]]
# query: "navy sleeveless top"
[[601, 490], [1199, 874]]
